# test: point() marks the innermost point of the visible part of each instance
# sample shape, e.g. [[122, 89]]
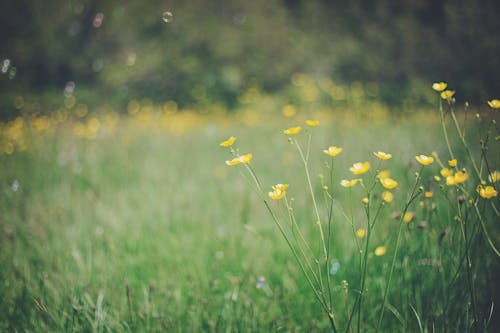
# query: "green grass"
[[145, 231]]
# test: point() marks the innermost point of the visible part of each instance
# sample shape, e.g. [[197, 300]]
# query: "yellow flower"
[[424, 159], [312, 123], [447, 94], [383, 174], [408, 217], [278, 192], [387, 196], [234, 161], [494, 104], [428, 194], [365, 200], [486, 192], [446, 172], [333, 151], [349, 183], [437, 178], [293, 130], [240, 159], [494, 176], [458, 178], [228, 143], [360, 168], [439, 86], [452, 163], [380, 251], [388, 183], [360, 233], [382, 155]]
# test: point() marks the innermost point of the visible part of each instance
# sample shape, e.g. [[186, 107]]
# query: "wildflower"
[[494, 104], [437, 178], [428, 194], [312, 123], [383, 174], [494, 176], [349, 183], [408, 217], [228, 143], [424, 159], [486, 192], [447, 94], [360, 168], [382, 155], [380, 251], [387, 196], [279, 191], [458, 178], [333, 151], [445, 172], [439, 86], [240, 159], [234, 161], [360, 233], [388, 183], [365, 200], [293, 130], [452, 163]]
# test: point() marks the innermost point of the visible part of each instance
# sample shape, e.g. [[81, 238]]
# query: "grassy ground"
[[141, 227]]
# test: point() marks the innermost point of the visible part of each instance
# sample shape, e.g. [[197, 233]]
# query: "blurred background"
[[201, 53]]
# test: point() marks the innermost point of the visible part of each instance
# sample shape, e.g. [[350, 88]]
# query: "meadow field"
[[139, 222]]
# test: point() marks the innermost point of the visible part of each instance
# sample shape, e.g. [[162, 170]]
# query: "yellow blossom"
[[360, 168], [428, 194], [445, 172], [437, 178], [452, 163], [383, 174], [494, 176], [380, 251], [349, 183], [486, 192], [228, 143], [240, 159], [278, 192], [424, 159], [494, 104], [365, 200], [458, 178], [408, 217], [447, 94], [312, 123], [388, 183], [360, 233], [439, 86], [333, 151], [234, 161], [382, 155], [387, 196], [293, 130]]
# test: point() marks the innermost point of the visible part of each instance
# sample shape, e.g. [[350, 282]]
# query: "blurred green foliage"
[[213, 51]]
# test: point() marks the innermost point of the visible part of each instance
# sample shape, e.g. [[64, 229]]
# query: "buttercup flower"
[[428, 194], [312, 123], [365, 200], [458, 178], [494, 104], [447, 94], [234, 161], [388, 183], [380, 251], [333, 151], [439, 86], [278, 192], [240, 159], [382, 155], [486, 192], [293, 130], [360, 233], [348, 183], [424, 159], [452, 163], [228, 143], [387, 196], [384, 174], [360, 168], [494, 176], [445, 172], [408, 217]]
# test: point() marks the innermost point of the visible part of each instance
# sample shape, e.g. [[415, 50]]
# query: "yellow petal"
[[293, 130], [439, 86], [312, 123], [360, 168], [333, 151], [424, 159], [494, 104]]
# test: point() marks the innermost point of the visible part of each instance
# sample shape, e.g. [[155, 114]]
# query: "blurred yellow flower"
[[348, 183], [486, 192], [452, 163], [234, 161], [240, 159], [333, 151], [437, 178], [360, 233], [494, 176], [289, 111], [439, 86], [384, 174], [447, 94], [382, 155], [428, 194], [365, 200], [312, 123], [445, 172], [380, 251], [278, 192], [388, 183], [228, 143], [408, 217], [494, 104], [387, 196], [424, 159], [458, 178], [293, 130], [360, 168]]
